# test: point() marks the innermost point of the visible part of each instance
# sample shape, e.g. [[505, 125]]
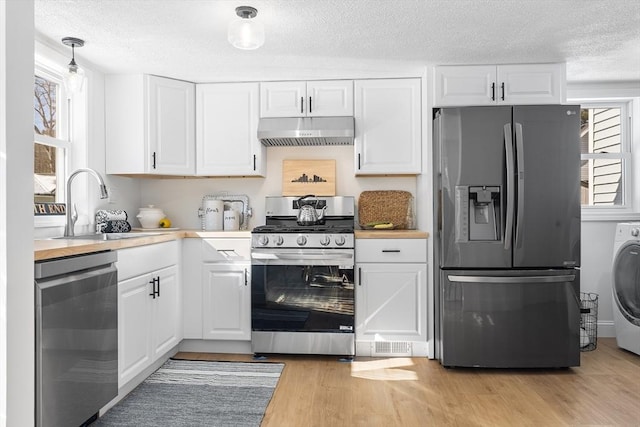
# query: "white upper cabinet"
[[320, 98], [330, 98], [388, 127], [502, 84], [227, 130], [150, 125], [531, 84]]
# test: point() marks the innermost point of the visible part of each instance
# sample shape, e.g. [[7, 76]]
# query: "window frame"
[[624, 155], [629, 154], [62, 140]]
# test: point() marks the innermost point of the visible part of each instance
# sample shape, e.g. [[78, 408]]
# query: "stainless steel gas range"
[[302, 282]]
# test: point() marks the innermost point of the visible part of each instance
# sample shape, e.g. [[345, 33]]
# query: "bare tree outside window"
[[44, 123]]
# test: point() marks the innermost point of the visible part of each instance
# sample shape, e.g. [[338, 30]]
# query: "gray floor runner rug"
[[198, 393]]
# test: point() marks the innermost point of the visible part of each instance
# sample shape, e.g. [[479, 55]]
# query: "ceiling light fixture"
[[74, 78], [246, 33]]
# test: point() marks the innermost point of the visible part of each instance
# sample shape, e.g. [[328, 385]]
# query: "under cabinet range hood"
[[301, 131]]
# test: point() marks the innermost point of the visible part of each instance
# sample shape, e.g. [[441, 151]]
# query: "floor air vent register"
[[391, 348]]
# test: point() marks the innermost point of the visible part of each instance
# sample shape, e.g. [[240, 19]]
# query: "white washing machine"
[[626, 286]]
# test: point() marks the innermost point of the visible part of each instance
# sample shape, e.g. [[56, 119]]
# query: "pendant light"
[[74, 78], [245, 33]]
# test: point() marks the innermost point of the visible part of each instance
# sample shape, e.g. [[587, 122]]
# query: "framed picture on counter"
[[317, 177]]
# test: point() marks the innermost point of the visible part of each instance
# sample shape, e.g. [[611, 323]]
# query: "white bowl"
[[150, 217]]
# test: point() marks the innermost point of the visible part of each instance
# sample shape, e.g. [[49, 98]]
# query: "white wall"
[[16, 214], [595, 273], [181, 198]]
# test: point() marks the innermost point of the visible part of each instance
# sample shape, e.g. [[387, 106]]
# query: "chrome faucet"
[[72, 217]]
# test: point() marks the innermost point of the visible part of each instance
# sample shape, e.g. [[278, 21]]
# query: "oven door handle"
[[299, 257], [314, 256]]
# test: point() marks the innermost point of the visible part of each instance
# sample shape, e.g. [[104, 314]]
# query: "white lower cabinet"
[[134, 339], [149, 306], [226, 301], [165, 312], [217, 294], [391, 297]]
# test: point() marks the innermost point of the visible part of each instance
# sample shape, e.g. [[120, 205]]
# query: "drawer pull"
[[391, 250]]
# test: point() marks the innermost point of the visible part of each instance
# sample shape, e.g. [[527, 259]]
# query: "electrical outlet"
[[114, 194]]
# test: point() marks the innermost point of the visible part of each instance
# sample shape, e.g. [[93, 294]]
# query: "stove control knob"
[[278, 240], [325, 240], [263, 240], [340, 240], [635, 232], [301, 240]]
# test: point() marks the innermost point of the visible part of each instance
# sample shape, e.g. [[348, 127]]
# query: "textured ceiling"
[[186, 39]]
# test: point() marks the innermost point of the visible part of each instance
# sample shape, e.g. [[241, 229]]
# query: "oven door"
[[302, 290]]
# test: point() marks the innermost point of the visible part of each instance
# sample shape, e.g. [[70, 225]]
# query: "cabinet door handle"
[[153, 284], [391, 250], [502, 87], [254, 162], [359, 276], [358, 161], [153, 156], [158, 279], [493, 91], [301, 104], [310, 106], [246, 277]]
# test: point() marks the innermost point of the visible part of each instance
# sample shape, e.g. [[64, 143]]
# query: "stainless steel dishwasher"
[[76, 338]]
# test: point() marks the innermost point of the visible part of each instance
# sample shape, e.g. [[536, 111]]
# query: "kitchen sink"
[[108, 236]]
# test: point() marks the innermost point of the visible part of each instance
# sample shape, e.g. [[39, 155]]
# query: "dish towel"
[[112, 221], [103, 215], [117, 226]]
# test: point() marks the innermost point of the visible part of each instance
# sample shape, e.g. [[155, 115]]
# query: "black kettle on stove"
[[308, 212]]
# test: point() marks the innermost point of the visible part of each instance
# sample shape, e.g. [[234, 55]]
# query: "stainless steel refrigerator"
[[507, 186]]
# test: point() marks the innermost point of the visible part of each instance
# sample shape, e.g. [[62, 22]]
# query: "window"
[[605, 146], [50, 137]]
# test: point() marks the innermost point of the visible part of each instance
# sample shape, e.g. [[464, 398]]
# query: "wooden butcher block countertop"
[[56, 248]]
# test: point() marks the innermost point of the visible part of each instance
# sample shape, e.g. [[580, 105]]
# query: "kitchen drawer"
[[226, 250], [391, 250], [139, 260]]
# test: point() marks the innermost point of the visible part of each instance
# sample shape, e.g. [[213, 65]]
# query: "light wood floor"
[[322, 391]]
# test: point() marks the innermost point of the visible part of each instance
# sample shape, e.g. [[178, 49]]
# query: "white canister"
[[213, 215], [231, 220]]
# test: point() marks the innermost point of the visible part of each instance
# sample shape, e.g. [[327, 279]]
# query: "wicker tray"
[[389, 206]]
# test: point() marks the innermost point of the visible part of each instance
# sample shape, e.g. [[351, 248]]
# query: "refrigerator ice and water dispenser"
[[478, 213]]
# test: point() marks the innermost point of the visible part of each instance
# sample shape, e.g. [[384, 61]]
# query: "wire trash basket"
[[588, 321]]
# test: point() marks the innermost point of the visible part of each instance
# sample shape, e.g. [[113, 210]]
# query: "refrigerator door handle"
[[520, 165], [508, 148], [512, 279]]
